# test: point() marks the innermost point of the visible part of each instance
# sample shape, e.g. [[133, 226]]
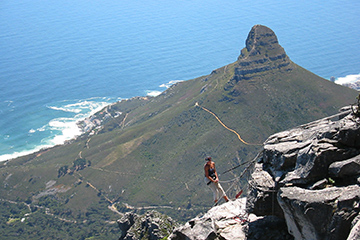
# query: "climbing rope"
[[241, 164], [243, 141], [231, 130], [242, 174], [234, 181]]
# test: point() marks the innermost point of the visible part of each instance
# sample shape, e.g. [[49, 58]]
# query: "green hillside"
[[152, 154]]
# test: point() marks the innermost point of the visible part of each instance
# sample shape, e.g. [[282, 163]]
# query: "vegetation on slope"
[[152, 154]]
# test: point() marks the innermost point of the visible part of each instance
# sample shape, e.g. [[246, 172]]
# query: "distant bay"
[[61, 61]]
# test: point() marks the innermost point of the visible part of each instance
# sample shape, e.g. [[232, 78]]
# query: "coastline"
[[69, 133], [88, 125]]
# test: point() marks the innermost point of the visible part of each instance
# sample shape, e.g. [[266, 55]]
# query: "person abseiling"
[[212, 180]]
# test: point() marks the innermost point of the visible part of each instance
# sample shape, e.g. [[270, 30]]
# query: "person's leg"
[[213, 189], [221, 192]]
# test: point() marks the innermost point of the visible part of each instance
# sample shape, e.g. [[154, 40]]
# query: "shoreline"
[[66, 139], [87, 125]]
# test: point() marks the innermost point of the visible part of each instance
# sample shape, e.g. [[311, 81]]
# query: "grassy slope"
[[156, 156]]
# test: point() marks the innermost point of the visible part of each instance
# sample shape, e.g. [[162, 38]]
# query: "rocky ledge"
[[225, 221], [151, 225], [304, 185], [310, 176]]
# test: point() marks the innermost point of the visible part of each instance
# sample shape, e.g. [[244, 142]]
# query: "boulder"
[[152, 225], [125, 223], [314, 171], [355, 230], [230, 221], [320, 214], [347, 168], [226, 221], [267, 227], [262, 194], [301, 155]]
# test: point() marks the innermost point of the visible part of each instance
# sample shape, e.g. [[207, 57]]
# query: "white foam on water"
[[62, 129], [32, 131], [65, 110], [154, 93], [22, 153], [169, 84], [348, 79], [68, 128]]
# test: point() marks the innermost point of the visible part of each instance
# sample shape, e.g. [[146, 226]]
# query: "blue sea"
[[61, 61]]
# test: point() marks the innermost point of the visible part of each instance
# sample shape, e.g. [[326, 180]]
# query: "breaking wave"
[[169, 84], [348, 79], [154, 93], [62, 127]]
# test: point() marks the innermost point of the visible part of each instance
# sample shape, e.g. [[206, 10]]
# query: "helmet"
[[208, 158]]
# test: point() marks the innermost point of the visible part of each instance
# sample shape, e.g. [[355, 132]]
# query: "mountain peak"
[[261, 53], [261, 40]]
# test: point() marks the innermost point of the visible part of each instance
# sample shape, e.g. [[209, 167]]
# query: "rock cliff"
[[304, 185], [226, 221], [261, 54], [314, 171], [152, 226]]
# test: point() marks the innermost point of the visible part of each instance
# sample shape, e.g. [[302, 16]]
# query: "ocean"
[[61, 61]]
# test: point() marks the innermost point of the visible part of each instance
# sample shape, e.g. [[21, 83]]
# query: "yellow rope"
[[231, 130]]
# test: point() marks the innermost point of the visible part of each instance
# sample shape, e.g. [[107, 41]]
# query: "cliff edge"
[[304, 185], [312, 178]]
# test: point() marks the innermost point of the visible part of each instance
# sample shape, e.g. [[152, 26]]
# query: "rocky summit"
[[261, 54], [305, 184]]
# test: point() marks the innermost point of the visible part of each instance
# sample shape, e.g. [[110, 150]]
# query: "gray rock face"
[[314, 170], [230, 221], [262, 53], [320, 214], [304, 154], [151, 225], [347, 168], [221, 222], [262, 195], [355, 230]]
